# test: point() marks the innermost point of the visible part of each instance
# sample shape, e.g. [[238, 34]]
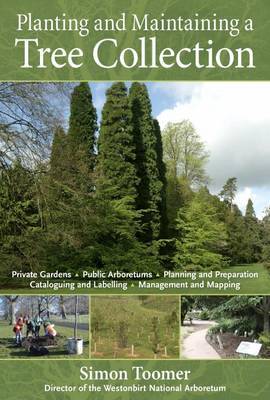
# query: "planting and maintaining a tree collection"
[[147, 53]]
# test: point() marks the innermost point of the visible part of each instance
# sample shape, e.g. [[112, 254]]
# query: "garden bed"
[[230, 343]]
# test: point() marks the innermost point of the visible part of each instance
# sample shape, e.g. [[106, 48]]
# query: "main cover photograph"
[[135, 178]]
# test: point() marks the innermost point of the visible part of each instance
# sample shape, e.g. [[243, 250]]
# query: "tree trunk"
[[48, 307], [39, 306], [12, 302], [63, 307], [6, 315], [266, 316]]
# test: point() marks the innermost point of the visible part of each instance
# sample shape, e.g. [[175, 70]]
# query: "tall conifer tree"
[[252, 237], [116, 151], [149, 187], [82, 128], [162, 177], [228, 191]]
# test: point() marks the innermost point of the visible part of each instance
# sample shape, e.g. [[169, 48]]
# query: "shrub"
[[204, 315], [264, 338], [243, 325]]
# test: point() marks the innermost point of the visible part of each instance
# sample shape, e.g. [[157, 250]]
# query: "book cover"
[[134, 199]]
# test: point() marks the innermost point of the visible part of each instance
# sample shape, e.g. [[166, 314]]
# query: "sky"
[[232, 119]]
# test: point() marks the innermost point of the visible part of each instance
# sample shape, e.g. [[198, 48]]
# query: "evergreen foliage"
[[162, 178], [82, 125], [252, 236], [266, 238], [236, 230], [20, 219], [116, 152], [149, 188], [229, 190]]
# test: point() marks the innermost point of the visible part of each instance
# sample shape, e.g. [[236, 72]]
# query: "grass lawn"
[[108, 313], [84, 319], [8, 349]]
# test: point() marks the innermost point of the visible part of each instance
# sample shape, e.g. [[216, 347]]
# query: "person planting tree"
[[50, 331]]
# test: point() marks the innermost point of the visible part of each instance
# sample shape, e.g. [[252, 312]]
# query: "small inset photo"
[[44, 326], [135, 327], [218, 327]]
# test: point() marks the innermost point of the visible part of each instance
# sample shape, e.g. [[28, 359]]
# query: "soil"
[[40, 341], [230, 343]]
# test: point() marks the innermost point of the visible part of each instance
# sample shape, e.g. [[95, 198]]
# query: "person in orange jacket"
[[17, 329], [50, 331]]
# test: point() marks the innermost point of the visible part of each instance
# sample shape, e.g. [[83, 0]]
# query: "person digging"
[[50, 331], [38, 322]]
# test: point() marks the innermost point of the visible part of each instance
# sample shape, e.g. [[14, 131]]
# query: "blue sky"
[[159, 103], [233, 120]]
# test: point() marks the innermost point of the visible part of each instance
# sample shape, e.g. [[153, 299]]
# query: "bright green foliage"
[[185, 153], [179, 194], [264, 338], [149, 187], [202, 237], [116, 151], [20, 218], [185, 157]]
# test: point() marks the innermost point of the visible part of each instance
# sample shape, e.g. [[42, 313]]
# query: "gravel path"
[[195, 344]]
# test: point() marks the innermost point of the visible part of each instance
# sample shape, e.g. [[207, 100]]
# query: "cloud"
[[233, 119], [243, 196]]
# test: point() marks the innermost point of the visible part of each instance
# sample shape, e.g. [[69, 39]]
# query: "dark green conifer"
[[82, 129], [149, 186], [162, 177], [116, 151], [252, 239]]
